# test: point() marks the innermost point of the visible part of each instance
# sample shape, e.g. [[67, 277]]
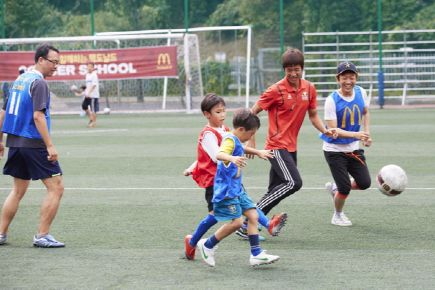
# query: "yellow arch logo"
[[163, 59], [355, 109]]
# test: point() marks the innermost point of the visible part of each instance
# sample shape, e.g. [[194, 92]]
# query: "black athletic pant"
[[284, 179], [342, 164]]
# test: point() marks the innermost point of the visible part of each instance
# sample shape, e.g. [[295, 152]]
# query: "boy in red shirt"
[[203, 171]]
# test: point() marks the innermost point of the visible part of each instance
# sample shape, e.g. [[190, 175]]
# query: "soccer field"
[[127, 207]]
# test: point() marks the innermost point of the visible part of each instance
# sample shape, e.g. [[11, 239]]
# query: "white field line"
[[185, 188], [90, 131]]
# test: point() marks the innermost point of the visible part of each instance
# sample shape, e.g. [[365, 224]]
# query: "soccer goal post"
[[237, 55]]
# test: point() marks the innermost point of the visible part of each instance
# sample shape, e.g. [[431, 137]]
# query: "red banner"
[[144, 62]]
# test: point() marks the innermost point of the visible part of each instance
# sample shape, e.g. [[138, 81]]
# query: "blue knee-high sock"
[[211, 242], [202, 228], [254, 241], [262, 218]]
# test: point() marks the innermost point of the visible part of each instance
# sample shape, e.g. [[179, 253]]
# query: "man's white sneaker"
[[341, 220], [3, 239], [47, 241], [262, 259], [331, 187], [206, 253]]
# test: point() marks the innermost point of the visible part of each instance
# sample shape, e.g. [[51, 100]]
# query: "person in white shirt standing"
[[93, 91]]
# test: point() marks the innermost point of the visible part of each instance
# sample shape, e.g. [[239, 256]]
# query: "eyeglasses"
[[55, 62]]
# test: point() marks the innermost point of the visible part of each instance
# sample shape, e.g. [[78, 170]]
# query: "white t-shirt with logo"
[[91, 80], [331, 114]]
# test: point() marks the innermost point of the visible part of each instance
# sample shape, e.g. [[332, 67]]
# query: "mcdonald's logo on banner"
[[352, 113], [126, 63], [164, 61]]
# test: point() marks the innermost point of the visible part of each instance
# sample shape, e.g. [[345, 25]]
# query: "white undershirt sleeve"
[[210, 145], [366, 98], [330, 113]]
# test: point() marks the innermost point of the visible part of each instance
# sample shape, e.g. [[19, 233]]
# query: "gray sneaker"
[[47, 241], [3, 239], [243, 233]]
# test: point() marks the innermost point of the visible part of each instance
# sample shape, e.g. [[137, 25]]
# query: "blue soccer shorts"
[[230, 209], [30, 163]]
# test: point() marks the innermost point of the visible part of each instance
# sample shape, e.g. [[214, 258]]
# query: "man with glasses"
[[32, 154]]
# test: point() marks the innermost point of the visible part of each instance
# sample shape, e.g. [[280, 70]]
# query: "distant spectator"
[[86, 104], [93, 90]]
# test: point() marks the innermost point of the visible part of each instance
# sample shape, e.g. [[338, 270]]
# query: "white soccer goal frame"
[[168, 32]]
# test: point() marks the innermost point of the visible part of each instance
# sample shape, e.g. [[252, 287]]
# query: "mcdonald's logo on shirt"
[[164, 61], [355, 109]]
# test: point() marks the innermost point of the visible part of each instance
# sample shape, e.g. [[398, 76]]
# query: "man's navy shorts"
[[30, 163]]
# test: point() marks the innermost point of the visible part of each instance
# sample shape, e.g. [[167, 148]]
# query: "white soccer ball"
[[106, 111], [391, 180], [73, 88]]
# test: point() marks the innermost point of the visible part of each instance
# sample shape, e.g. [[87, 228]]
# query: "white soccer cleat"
[[262, 259], [331, 187], [206, 253], [340, 220]]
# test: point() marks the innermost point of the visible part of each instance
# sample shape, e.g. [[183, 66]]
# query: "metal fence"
[[408, 62]]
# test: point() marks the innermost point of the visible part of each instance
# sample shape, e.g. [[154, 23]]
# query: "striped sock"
[[254, 241]]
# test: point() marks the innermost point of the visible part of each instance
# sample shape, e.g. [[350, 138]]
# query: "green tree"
[[28, 18], [263, 16], [76, 7], [139, 14], [337, 15]]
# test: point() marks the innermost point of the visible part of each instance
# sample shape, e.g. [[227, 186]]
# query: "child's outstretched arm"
[[363, 136], [263, 154], [338, 132], [240, 161], [188, 171]]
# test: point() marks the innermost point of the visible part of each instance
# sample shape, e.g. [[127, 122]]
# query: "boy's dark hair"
[[210, 100], [83, 87], [42, 51], [246, 119], [291, 57]]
